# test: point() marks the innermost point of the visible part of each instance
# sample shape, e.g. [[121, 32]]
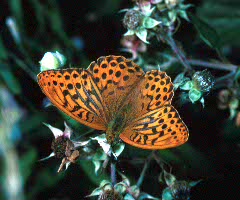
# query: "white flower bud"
[[52, 61]]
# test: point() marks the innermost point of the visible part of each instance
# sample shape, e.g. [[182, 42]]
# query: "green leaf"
[[167, 195], [38, 11], [17, 12], [187, 86], [129, 32], [88, 168], [128, 197], [183, 14], [169, 178], [3, 50], [26, 163], [206, 32], [10, 80], [194, 183], [144, 195], [224, 17], [142, 35], [194, 95], [149, 22], [118, 149]]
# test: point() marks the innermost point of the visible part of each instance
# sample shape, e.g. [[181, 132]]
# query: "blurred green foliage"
[[43, 26]]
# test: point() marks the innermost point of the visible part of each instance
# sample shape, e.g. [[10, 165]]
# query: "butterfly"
[[115, 95]]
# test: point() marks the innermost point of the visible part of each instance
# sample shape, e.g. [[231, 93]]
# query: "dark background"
[[212, 152]]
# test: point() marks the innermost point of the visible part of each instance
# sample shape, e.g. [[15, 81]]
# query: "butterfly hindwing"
[[158, 129], [156, 91]]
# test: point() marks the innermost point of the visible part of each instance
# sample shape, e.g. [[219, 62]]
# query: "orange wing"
[[158, 125], [116, 78], [75, 93], [156, 91], [159, 129]]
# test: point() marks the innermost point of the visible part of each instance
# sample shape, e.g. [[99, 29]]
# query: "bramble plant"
[[135, 143]]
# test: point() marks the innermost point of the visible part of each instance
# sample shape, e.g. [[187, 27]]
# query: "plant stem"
[[113, 173], [160, 162], [221, 66], [145, 167], [179, 53]]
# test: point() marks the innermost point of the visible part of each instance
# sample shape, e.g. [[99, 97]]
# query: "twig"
[[221, 66], [113, 173], [160, 162], [179, 53], [145, 167]]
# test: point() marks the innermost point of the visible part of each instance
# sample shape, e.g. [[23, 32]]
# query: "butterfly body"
[[118, 124], [116, 96]]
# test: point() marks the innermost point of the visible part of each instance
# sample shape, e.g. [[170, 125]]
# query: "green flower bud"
[[59, 146], [203, 81], [132, 20], [110, 195], [171, 3], [180, 190]]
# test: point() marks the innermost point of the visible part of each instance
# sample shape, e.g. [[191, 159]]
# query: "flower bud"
[[110, 195], [171, 3], [180, 190], [203, 81], [61, 145], [52, 61], [132, 20]]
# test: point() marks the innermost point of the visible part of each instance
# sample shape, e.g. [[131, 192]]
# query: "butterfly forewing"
[[74, 92], [116, 78]]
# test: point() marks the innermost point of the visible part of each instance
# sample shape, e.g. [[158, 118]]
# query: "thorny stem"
[[221, 66], [200, 63], [225, 67], [146, 165], [179, 53]]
